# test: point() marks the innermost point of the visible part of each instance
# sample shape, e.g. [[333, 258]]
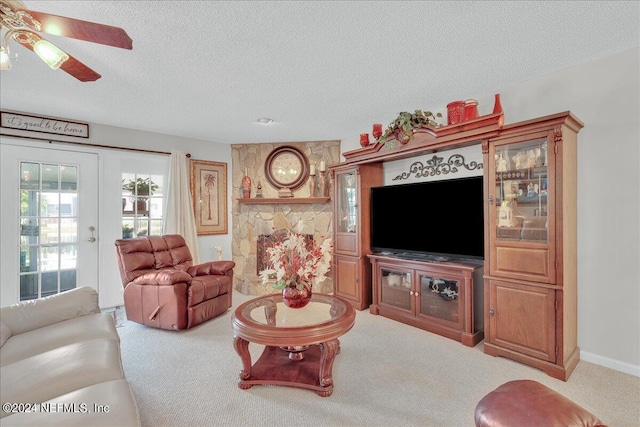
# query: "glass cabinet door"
[[396, 288], [439, 298], [346, 202], [521, 189]]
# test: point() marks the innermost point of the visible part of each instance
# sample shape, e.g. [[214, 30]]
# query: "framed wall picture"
[[209, 195]]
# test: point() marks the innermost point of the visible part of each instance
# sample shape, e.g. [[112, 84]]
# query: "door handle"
[[92, 238]]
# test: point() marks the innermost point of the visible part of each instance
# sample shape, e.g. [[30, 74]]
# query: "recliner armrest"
[[163, 277], [211, 268]]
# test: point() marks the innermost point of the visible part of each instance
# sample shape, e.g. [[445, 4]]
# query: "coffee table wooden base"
[[274, 367]]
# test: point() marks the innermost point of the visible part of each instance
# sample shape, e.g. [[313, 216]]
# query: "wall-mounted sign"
[[43, 124]]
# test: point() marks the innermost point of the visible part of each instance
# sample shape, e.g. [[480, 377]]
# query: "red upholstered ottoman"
[[526, 403]]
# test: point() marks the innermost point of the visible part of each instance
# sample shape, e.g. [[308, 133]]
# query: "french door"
[[48, 221]]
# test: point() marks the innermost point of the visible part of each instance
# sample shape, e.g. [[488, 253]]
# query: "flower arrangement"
[[297, 260]]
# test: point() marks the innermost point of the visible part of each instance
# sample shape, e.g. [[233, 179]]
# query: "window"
[[142, 204]]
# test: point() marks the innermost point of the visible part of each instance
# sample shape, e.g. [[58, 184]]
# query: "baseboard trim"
[[616, 365]]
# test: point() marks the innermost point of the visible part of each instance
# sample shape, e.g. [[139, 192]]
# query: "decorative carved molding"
[[435, 166], [558, 133]]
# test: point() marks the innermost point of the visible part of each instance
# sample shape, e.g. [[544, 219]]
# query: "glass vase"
[[296, 298], [497, 108], [246, 185]]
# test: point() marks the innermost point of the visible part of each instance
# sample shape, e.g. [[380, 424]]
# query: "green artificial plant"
[[403, 126]]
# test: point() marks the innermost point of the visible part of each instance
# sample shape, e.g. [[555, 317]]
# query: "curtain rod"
[[113, 147]]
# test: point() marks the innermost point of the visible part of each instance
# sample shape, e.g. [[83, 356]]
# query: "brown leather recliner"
[[164, 290]]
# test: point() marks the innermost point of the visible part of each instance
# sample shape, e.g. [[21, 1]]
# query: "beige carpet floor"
[[387, 374]]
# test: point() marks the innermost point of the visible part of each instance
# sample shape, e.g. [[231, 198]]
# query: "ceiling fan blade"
[[78, 70], [82, 30], [73, 67]]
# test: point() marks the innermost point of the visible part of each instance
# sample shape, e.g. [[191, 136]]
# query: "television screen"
[[444, 219]]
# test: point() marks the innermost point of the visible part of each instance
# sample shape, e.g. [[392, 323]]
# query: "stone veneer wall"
[[251, 220]]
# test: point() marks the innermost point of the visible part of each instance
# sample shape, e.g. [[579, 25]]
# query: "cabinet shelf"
[[283, 200], [525, 173]]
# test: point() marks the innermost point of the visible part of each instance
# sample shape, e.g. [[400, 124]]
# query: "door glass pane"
[[48, 228], [67, 280], [29, 176], [49, 283], [28, 286], [68, 230], [521, 191], [29, 203], [68, 256], [29, 230], [69, 178], [50, 177], [49, 258], [28, 259]]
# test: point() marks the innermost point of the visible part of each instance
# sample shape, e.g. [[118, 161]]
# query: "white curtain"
[[179, 218]]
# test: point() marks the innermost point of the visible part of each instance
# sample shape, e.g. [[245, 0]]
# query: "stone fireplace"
[[251, 221]]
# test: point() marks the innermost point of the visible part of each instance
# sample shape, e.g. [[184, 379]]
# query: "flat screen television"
[[437, 220]]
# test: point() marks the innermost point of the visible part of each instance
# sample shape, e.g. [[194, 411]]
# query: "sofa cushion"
[[114, 396], [57, 335], [56, 372], [27, 315], [5, 333]]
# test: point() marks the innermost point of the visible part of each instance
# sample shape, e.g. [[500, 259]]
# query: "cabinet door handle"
[[490, 200], [491, 312]]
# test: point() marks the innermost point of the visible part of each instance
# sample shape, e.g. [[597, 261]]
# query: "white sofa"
[[60, 364]]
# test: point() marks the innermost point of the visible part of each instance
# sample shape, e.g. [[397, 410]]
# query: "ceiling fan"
[[23, 25]]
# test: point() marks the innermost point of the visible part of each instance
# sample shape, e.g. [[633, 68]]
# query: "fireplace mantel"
[[283, 200]]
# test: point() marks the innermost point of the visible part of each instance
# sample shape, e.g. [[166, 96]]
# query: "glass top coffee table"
[[300, 344]]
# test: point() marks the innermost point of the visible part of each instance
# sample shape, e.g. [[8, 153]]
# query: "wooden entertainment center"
[[527, 310]]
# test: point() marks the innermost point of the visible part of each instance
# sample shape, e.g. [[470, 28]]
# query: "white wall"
[[605, 95]]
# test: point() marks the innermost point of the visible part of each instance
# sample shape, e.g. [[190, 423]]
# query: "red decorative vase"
[[455, 112], [296, 298], [470, 109], [246, 185], [377, 130], [497, 108], [364, 139]]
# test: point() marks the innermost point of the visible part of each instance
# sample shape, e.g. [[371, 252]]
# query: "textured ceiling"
[[322, 70]]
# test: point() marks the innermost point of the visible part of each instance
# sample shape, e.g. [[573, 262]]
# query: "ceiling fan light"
[[5, 62], [50, 54]]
